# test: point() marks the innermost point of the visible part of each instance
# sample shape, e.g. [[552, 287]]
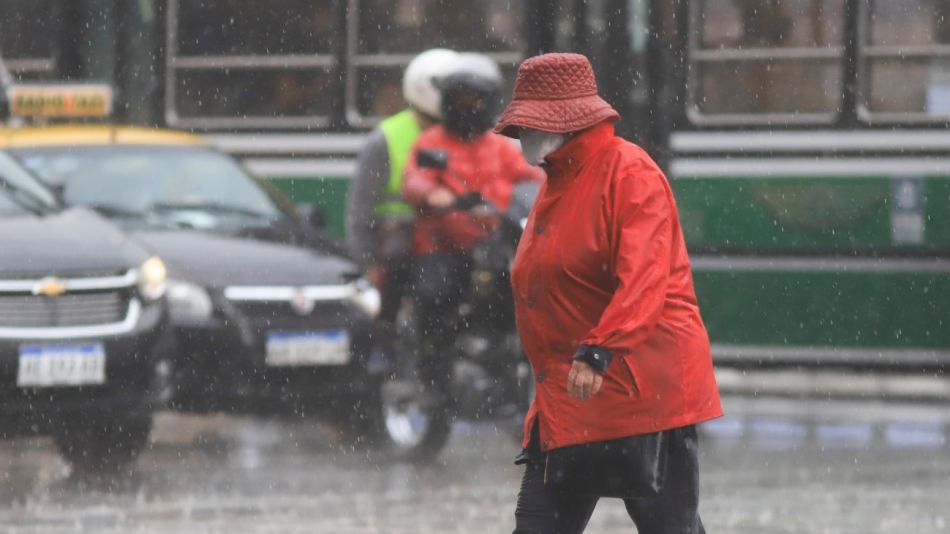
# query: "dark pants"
[[439, 282], [394, 254], [396, 275], [541, 510]]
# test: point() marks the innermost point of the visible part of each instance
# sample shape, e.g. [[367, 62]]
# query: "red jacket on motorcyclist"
[[479, 161]]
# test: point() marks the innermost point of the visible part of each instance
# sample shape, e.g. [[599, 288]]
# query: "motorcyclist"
[[476, 162], [378, 221]]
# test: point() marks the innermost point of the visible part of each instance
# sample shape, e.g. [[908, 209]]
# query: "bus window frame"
[[867, 53], [254, 62], [30, 65], [18, 66], [356, 61], [696, 55]]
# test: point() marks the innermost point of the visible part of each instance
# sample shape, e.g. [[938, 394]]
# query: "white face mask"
[[536, 145]]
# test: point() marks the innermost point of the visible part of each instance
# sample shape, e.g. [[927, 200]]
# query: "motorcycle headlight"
[[188, 302], [152, 278], [366, 297]]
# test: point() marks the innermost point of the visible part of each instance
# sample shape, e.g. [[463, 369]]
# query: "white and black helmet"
[[418, 81], [472, 71], [471, 94]]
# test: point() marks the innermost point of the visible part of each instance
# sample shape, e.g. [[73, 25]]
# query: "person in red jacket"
[[477, 162], [605, 304]]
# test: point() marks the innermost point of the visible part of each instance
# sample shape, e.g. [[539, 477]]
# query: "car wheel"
[[100, 443]]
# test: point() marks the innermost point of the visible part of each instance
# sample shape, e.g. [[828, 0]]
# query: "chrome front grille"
[[59, 308], [272, 302], [275, 310], [71, 309]]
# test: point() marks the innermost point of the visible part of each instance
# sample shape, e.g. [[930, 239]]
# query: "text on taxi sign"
[[60, 100]]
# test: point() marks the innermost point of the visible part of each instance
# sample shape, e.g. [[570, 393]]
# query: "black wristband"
[[594, 356]]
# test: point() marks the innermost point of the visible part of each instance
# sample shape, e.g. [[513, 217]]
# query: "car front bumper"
[[132, 382], [221, 365]]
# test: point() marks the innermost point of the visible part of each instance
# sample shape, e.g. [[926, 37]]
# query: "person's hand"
[[440, 198], [583, 382]]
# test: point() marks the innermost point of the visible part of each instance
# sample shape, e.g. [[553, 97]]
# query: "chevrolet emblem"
[[49, 287]]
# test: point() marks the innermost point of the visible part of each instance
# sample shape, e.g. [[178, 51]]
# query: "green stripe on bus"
[[790, 213], [869, 309]]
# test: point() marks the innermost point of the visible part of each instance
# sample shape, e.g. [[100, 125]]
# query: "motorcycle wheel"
[[414, 426]]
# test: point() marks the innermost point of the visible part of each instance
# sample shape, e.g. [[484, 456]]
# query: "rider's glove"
[[595, 356], [469, 200]]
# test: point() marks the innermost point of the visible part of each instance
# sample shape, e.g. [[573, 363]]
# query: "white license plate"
[[61, 365], [327, 347]]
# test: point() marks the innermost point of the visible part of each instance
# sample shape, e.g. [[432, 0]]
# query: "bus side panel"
[[822, 266]]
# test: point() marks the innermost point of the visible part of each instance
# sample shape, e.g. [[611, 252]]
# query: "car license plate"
[[61, 365], [327, 347]]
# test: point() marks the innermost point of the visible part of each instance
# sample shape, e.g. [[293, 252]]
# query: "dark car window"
[[21, 193], [160, 186]]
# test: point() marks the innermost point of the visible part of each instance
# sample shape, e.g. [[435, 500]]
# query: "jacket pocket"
[[629, 376]]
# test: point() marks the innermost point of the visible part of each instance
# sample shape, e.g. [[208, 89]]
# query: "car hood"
[[71, 242], [219, 261]]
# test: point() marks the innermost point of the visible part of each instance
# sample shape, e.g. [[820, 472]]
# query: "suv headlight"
[[152, 278], [366, 297], [188, 302]]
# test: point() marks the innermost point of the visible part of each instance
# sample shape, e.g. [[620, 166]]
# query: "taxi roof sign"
[[60, 101]]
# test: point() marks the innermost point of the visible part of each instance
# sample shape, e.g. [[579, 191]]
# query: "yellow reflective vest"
[[400, 132]]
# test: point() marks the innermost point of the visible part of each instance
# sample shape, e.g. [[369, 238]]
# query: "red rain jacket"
[[603, 262], [490, 164]]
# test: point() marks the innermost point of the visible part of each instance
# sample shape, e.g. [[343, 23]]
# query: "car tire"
[[101, 443]]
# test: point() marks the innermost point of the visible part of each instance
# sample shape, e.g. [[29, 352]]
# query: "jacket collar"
[[567, 159]]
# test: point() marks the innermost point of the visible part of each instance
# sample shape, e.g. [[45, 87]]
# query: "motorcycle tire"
[[413, 425]]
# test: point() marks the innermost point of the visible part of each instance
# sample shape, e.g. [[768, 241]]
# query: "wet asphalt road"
[[770, 466]]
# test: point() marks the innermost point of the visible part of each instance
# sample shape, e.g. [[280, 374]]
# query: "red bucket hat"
[[555, 93]]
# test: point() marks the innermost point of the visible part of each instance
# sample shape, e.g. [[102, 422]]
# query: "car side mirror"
[[312, 215], [432, 159]]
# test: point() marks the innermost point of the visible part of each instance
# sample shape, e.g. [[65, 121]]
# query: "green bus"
[[807, 141]]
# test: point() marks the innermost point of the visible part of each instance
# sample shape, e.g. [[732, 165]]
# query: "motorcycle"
[[490, 378]]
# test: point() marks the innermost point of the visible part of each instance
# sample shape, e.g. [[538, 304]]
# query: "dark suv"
[[81, 312]]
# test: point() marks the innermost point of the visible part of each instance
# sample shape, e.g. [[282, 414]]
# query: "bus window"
[[905, 60], [765, 60], [263, 94], [384, 35], [25, 30], [233, 63], [237, 27]]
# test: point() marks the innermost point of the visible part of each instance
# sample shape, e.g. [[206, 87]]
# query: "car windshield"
[[180, 187], [21, 193]]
